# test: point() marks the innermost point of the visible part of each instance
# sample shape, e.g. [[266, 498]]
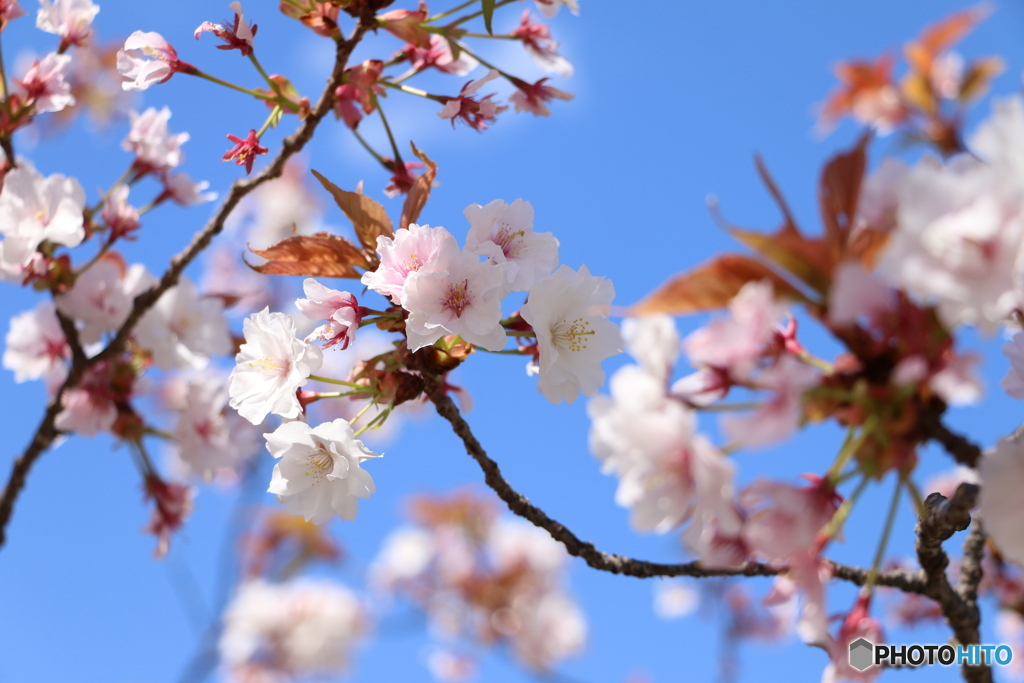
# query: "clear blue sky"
[[672, 100]]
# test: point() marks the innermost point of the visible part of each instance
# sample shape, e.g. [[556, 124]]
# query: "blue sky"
[[672, 100]]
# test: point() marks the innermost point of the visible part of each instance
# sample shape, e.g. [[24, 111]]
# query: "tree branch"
[[912, 582], [46, 432], [963, 450], [943, 517]]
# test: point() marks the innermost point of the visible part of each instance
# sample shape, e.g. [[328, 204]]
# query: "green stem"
[[886, 532], [816, 362], [274, 113], [259, 67], [3, 79], [328, 380], [839, 518], [915, 494], [361, 413], [513, 333], [387, 129], [462, 20], [453, 10], [507, 352], [484, 62], [486, 35], [367, 147], [226, 84], [724, 407], [409, 90]]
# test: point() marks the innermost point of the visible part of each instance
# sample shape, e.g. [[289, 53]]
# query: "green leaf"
[[488, 8]]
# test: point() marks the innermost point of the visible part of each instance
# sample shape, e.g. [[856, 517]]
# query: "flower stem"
[[453, 10], [387, 129], [724, 407], [484, 62], [462, 20], [259, 67], [328, 380], [409, 90], [361, 413], [274, 114], [839, 518], [886, 532], [367, 147], [226, 84]]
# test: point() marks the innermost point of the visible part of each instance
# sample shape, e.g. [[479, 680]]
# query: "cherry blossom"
[[716, 540], [173, 505], [210, 439], [89, 407], [568, 311], [406, 253], [70, 19], [675, 598], [790, 525], [879, 198], [34, 209], [153, 145], [857, 624], [119, 215], [245, 150], [319, 473], [103, 296], [454, 294], [35, 344], [147, 59], [339, 309], [439, 56], [9, 11], [300, 628], [44, 83], [270, 368], [856, 295], [360, 87], [405, 24], [504, 234], [781, 415], [737, 342], [1013, 382], [1002, 475], [536, 39], [185, 191], [654, 342], [534, 97], [183, 329], [236, 36], [475, 113], [549, 8]]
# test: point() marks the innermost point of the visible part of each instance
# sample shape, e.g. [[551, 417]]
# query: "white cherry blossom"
[[403, 254], [568, 311], [34, 209], [1002, 478], [102, 296], [145, 60], [70, 19], [270, 367], [151, 142], [339, 309], [504, 234], [44, 83], [183, 329], [319, 473], [36, 346], [654, 342]]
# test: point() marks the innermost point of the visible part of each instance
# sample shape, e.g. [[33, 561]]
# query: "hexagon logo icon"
[[861, 654]]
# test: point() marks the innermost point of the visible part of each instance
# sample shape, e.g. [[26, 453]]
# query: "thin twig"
[[46, 432], [617, 564], [963, 450]]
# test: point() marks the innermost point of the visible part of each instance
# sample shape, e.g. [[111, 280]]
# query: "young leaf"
[[712, 286], [419, 193], [488, 9], [369, 217], [838, 194]]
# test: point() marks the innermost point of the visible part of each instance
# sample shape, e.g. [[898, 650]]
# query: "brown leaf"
[[942, 35], [805, 257], [369, 217], [712, 286], [419, 193], [319, 255], [838, 193], [976, 80]]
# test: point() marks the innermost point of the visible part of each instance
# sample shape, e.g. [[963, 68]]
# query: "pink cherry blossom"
[[88, 408], [405, 24], [147, 59], [403, 254], [475, 113], [703, 387], [536, 39], [716, 542], [245, 150], [121, 217], [270, 368], [856, 295], [70, 19], [568, 311], [785, 520], [879, 198], [340, 309], [857, 624], [238, 35], [103, 296], [957, 382], [9, 11], [439, 56], [172, 506], [44, 85], [737, 342], [360, 87], [36, 346], [34, 209], [781, 415], [810, 575], [402, 179], [454, 294], [183, 329], [504, 234], [153, 145], [534, 97]]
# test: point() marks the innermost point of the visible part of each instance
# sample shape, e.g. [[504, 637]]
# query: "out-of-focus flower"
[[439, 56], [1002, 476], [360, 87], [299, 628], [536, 39], [172, 506], [1013, 382], [654, 342], [34, 209], [549, 8], [153, 145], [36, 346], [319, 473], [781, 414], [44, 83], [121, 217], [568, 311], [103, 295], [405, 24], [69, 19], [504, 234], [187, 192], [183, 329], [675, 598], [475, 113], [237, 35], [270, 367]]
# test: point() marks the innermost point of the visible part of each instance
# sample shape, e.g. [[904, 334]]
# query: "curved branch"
[[963, 450], [912, 582], [47, 432]]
